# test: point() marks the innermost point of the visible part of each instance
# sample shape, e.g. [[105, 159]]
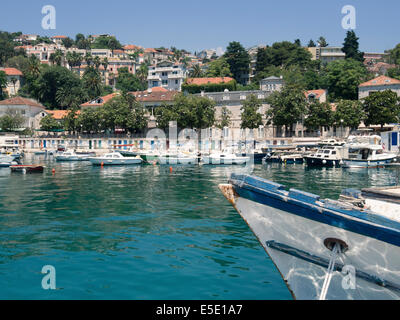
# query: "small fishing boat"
[[225, 159], [27, 168], [324, 249], [179, 158], [326, 156], [115, 158], [72, 156]]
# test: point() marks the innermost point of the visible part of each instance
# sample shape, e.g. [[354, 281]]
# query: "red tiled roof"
[[105, 99], [159, 89], [11, 71], [59, 114], [19, 101], [131, 47], [119, 51], [316, 93], [59, 37], [380, 81], [202, 81], [150, 50]]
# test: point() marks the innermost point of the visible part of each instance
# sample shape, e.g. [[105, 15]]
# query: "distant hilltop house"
[[380, 83], [168, 75], [271, 84], [14, 80], [327, 54], [27, 108]]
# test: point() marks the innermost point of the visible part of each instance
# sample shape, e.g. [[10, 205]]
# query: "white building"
[[381, 83], [167, 75], [327, 54], [272, 84], [27, 108], [14, 80]]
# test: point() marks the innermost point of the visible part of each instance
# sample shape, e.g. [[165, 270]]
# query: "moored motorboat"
[[326, 156], [367, 156], [115, 158], [324, 249], [225, 159], [178, 158], [72, 156]]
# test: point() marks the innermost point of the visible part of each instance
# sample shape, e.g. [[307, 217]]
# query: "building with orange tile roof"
[[27, 108], [319, 95], [380, 83], [14, 80]]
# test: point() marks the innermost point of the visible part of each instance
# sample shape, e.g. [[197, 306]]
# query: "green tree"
[[196, 72], [127, 81], [11, 121], [219, 68], [48, 123], [350, 47], [349, 113], [51, 80], [288, 107], [250, 116], [238, 59], [342, 78], [89, 120], [92, 82], [322, 42], [57, 57], [3, 84], [319, 115], [394, 73], [311, 44], [225, 118], [394, 55], [68, 42], [381, 108]]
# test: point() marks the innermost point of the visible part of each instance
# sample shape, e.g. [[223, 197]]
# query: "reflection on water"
[[144, 232]]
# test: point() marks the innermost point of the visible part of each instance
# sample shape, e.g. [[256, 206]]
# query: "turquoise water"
[[143, 232]]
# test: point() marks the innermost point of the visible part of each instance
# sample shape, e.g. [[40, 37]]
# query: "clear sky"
[[205, 24]]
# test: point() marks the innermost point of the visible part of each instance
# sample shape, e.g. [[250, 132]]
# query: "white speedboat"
[[177, 158], [7, 160], [367, 156], [225, 159], [115, 158], [71, 156], [324, 249]]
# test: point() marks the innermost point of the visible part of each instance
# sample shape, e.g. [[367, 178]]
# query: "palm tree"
[[34, 66], [70, 59], [14, 80], [142, 73], [57, 57], [88, 58], [196, 72], [97, 62]]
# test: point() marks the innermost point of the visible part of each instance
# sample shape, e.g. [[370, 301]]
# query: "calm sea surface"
[[144, 232]]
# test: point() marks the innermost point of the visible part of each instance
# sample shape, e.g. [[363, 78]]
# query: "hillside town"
[[95, 86]]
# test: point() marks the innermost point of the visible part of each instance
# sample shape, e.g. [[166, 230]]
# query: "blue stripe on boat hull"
[[382, 229]]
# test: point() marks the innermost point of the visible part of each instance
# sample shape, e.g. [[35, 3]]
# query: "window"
[[176, 81], [165, 82]]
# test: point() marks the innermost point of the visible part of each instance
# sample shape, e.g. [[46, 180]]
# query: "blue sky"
[[197, 25]]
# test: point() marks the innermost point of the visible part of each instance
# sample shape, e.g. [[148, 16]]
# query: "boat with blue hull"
[[324, 249]]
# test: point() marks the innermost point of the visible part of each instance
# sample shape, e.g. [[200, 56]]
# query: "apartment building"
[[168, 75]]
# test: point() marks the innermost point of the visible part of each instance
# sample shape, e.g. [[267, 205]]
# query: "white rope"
[[329, 274]]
